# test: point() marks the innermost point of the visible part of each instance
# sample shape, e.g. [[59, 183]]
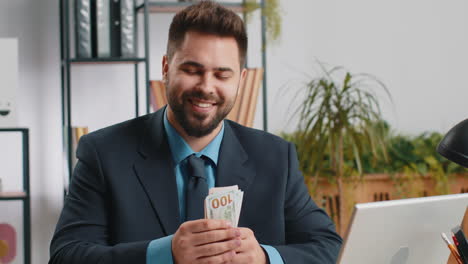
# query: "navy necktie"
[[197, 188]]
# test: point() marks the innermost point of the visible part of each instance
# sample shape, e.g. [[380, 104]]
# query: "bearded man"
[[132, 198]]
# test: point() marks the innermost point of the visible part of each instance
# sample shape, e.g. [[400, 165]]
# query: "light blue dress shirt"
[[159, 250]]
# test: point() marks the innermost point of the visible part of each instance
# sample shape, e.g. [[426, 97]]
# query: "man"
[[132, 196]]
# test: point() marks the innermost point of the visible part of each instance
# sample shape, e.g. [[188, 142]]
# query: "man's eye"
[[191, 71], [224, 76]]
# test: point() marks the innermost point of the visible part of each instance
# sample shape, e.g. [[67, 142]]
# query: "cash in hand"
[[224, 203]]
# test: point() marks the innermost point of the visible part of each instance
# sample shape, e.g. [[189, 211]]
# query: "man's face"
[[202, 81]]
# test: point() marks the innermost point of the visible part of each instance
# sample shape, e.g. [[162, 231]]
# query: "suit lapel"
[[234, 167], [155, 170]]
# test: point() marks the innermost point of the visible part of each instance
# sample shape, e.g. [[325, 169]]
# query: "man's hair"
[[210, 18]]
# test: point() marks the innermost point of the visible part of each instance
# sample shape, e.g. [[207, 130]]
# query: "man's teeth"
[[203, 105]]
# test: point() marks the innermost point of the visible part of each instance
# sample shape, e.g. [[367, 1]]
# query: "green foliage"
[[341, 133], [415, 153], [272, 13], [417, 156], [339, 121], [409, 155]]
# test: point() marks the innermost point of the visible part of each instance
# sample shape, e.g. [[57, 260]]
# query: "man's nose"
[[207, 83]]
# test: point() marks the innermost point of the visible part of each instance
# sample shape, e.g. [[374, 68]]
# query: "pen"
[[455, 241], [452, 248]]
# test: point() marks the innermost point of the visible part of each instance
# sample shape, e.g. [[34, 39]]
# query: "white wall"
[[35, 24], [418, 48]]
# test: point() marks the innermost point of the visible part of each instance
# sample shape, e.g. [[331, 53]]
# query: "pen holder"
[[464, 227]]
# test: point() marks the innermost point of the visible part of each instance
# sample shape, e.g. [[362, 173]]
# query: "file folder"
[[83, 35], [127, 27], [102, 28], [115, 28]]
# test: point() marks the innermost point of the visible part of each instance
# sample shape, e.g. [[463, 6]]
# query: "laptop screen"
[[404, 231]]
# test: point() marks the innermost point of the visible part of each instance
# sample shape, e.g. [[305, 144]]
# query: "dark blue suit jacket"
[[123, 194]]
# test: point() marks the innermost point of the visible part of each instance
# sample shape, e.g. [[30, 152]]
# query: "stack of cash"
[[224, 203]]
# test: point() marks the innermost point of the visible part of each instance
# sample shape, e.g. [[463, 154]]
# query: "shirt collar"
[[181, 149]]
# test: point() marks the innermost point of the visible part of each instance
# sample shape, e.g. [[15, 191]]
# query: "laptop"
[[406, 231]]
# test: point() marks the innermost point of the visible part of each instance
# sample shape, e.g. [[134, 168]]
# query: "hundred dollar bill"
[[238, 201], [221, 205], [224, 203], [223, 189]]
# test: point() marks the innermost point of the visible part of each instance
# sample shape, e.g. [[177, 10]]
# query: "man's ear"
[[165, 67], [243, 74]]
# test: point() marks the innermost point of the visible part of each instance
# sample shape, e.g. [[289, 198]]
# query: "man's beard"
[[194, 126]]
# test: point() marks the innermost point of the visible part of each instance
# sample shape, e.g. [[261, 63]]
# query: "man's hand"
[[250, 250], [205, 241]]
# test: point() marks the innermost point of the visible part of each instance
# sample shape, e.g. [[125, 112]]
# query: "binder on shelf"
[[83, 33], [115, 28], [101, 28], [127, 28], [105, 28]]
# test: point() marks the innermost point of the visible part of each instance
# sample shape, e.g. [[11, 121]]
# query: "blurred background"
[[408, 56]]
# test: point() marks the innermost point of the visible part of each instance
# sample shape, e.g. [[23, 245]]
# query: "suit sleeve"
[[81, 235], [310, 234]]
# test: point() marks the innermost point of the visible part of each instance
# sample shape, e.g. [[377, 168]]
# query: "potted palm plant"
[[339, 117]]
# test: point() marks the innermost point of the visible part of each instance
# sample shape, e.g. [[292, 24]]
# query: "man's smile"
[[199, 105]]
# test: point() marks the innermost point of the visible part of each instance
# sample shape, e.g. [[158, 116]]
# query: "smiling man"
[[137, 191], [202, 77]]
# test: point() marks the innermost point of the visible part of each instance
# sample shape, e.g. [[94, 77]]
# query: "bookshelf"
[[107, 60], [68, 61], [22, 195], [144, 8], [5, 196]]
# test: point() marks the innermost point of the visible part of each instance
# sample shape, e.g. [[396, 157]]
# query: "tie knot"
[[197, 166]]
